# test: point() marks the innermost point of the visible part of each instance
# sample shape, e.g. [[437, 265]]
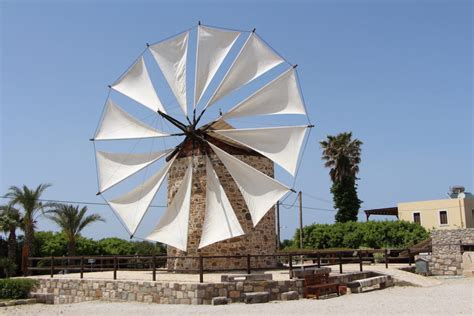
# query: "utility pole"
[[277, 210], [301, 219]]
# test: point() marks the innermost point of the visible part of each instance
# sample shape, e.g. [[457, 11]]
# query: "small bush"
[[8, 267], [16, 288]]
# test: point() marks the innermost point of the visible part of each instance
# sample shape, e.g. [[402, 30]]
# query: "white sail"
[[132, 206], [136, 84], [171, 55], [280, 144], [280, 96], [115, 167], [213, 45], [255, 58], [118, 124], [220, 221], [173, 226], [259, 191]]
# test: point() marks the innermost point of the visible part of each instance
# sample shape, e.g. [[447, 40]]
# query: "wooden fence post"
[[248, 264], [82, 267], [360, 260], [340, 262], [386, 258], [115, 267], [154, 266], [201, 269], [290, 265], [52, 266]]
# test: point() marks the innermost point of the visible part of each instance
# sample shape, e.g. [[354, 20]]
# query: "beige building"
[[439, 214]]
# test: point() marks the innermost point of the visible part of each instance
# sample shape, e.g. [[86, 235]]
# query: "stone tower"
[[259, 240]]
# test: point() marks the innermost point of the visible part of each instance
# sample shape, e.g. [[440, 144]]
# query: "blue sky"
[[398, 74]]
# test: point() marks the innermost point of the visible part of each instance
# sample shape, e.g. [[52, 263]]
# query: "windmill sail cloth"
[[118, 124], [259, 191], [136, 84], [213, 45], [280, 144], [173, 226], [220, 222], [171, 56], [132, 206], [115, 167], [255, 58], [280, 96]]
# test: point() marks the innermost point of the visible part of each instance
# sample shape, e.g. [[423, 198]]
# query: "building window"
[[417, 218], [443, 217]]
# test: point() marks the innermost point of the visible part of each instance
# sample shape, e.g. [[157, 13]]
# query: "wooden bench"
[[318, 284]]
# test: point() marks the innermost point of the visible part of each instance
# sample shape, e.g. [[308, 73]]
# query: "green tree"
[[31, 206], [342, 154], [116, 246], [72, 221], [10, 221]]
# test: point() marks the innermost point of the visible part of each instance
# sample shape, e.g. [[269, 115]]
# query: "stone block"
[[234, 294], [222, 292], [220, 300], [256, 297], [289, 296]]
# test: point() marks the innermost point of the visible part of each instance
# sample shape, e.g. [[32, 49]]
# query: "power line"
[[317, 198], [76, 202], [309, 208], [287, 206]]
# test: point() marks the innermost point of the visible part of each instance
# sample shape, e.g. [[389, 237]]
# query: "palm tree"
[[72, 221], [10, 220], [31, 206], [342, 155]]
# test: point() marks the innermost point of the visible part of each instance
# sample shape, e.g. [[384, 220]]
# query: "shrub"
[[16, 288], [8, 267], [354, 235]]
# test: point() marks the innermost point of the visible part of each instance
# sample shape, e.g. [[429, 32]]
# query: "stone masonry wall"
[[66, 291], [446, 257], [258, 240]]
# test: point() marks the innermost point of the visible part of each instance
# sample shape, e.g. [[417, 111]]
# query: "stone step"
[[256, 297]]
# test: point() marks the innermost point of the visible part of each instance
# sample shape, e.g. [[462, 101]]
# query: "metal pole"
[[319, 259], [386, 259], [278, 224], [301, 219], [360, 261]]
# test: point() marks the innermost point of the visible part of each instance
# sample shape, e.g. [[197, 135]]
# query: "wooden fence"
[[157, 263]]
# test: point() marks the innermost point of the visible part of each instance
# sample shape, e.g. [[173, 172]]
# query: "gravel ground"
[[453, 296]]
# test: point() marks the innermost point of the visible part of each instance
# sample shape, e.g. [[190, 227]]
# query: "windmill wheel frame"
[[280, 96]]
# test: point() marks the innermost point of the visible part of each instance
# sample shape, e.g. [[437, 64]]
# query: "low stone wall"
[[446, 257], [75, 291]]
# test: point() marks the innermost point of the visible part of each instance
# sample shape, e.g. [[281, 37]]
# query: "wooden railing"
[[156, 263]]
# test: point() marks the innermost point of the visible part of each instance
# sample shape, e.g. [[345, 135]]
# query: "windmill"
[[215, 168]]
